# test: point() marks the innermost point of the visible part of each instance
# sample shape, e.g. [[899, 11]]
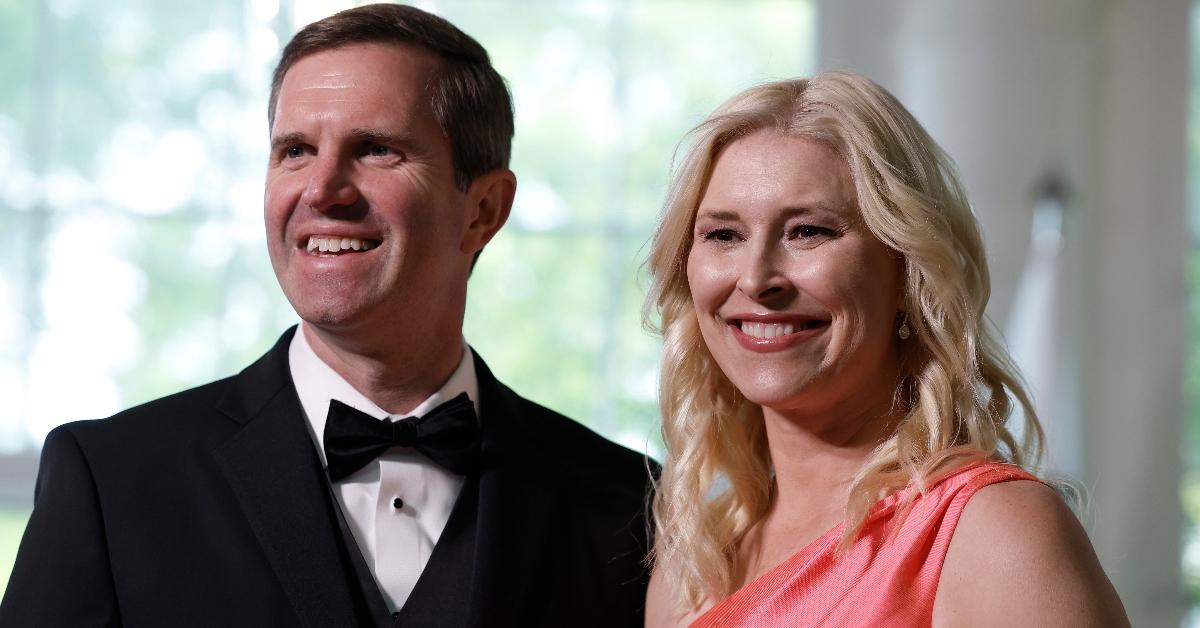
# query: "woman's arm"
[[661, 611], [658, 602], [1019, 557]]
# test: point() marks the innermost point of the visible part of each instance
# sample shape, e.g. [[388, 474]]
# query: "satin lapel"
[[274, 470], [517, 508]]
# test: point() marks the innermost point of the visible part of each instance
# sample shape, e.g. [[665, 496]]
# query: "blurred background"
[[133, 145]]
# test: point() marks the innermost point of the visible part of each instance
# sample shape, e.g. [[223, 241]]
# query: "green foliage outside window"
[[133, 147]]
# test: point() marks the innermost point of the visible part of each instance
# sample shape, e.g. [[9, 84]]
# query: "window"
[[134, 148], [1190, 484]]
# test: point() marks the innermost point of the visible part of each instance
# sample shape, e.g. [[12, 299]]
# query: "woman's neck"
[[816, 458]]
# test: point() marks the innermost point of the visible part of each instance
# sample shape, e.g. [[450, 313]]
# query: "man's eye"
[[293, 152], [377, 150]]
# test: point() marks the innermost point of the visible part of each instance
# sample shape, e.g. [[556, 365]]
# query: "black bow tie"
[[447, 435]]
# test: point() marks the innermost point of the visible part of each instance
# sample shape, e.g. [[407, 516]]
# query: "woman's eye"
[[721, 235], [810, 231]]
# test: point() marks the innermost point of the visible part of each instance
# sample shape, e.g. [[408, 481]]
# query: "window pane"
[[1190, 483], [132, 261], [603, 94], [135, 264]]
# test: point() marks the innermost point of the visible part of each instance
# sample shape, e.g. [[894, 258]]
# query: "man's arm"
[[62, 575]]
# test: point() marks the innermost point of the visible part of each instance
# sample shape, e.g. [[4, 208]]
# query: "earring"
[[904, 332]]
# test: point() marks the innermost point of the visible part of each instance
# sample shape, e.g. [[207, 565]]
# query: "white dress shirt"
[[395, 542]]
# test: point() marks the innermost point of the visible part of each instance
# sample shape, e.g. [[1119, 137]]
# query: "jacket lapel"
[[517, 504], [277, 477]]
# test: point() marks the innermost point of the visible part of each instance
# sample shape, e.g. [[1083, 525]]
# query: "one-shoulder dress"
[[887, 578]]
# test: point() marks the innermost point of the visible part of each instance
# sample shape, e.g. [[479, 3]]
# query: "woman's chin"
[[778, 396]]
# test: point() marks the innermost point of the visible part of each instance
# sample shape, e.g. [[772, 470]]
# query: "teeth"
[[324, 244], [767, 330]]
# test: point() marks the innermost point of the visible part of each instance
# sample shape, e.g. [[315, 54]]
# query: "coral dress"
[[881, 581]]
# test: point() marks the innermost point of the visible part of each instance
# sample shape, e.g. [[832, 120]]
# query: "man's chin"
[[329, 316], [328, 320]]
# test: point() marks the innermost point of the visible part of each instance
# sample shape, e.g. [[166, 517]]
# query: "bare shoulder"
[[661, 611], [1019, 557]]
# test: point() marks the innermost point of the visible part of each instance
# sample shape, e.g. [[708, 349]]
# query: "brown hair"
[[469, 98]]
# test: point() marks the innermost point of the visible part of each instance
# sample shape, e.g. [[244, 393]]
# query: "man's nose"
[[760, 275], [330, 185]]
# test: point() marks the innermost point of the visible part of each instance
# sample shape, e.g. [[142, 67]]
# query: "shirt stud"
[[397, 503]]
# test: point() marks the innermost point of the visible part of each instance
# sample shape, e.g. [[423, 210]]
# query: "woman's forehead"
[[776, 169]]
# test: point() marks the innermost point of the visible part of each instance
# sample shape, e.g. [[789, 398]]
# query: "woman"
[[834, 408]]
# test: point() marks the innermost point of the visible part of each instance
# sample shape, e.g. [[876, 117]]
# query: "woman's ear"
[[489, 201]]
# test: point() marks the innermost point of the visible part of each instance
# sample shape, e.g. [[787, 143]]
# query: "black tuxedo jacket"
[[210, 508]]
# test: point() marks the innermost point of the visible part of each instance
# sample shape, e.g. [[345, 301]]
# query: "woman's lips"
[[767, 337]]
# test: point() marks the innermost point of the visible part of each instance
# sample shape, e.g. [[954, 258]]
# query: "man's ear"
[[489, 201]]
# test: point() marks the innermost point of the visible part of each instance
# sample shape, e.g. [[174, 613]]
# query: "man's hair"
[[469, 98]]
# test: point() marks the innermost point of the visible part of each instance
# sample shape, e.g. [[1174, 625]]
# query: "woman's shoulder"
[[1039, 564], [965, 479]]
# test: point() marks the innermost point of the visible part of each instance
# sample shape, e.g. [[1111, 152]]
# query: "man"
[[344, 479]]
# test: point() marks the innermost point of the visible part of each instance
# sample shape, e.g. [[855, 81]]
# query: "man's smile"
[[336, 244]]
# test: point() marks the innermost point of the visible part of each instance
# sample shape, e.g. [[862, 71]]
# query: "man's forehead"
[[360, 71], [377, 86], [330, 79], [355, 64]]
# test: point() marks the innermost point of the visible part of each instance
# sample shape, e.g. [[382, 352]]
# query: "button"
[[397, 503]]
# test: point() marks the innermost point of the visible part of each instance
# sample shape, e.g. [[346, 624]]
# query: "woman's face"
[[796, 299]]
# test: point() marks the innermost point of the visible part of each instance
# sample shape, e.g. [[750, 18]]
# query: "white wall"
[[1097, 92]]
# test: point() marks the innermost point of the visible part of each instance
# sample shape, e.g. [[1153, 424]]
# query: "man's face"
[[365, 226]]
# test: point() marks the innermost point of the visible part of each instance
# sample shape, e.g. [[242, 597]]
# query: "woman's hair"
[[957, 384]]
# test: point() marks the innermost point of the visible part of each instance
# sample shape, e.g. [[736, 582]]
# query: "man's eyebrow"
[[361, 134], [380, 136], [288, 139]]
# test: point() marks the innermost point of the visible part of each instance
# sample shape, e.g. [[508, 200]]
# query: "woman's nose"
[[760, 275]]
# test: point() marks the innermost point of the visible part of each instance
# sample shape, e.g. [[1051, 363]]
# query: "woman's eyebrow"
[[717, 214], [787, 212], [806, 209]]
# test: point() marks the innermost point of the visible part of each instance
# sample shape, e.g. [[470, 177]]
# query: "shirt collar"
[[316, 383]]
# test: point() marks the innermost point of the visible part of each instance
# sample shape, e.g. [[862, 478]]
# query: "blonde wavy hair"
[[957, 384]]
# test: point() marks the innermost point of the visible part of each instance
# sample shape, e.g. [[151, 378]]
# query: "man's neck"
[[395, 379]]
